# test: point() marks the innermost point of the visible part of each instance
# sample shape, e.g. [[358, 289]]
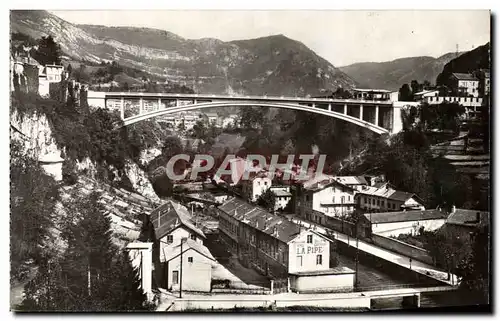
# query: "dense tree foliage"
[[267, 200], [474, 269], [33, 196], [92, 275], [87, 133]]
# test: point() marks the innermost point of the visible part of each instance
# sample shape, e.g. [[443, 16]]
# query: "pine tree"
[[92, 275], [33, 196], [127, 284], [49, 52]]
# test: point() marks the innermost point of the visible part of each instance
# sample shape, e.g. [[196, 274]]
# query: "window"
[[333, 199], [193, 237], [382, 203], [378, 202], [373, 201], [309, 239], [307, 198], [299, 260], [366, 200], [170, 238], [265, 183], [175, 277], [319, 259], [190, 259]]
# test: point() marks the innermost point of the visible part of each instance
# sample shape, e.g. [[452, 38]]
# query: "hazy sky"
[[342, 37]]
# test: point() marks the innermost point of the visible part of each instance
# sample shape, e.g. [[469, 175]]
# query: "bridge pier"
[[177, 103], [361, 111], [376, 115], [345, 109], [122, 108], [141, 105], [159, 103], [329, 107]]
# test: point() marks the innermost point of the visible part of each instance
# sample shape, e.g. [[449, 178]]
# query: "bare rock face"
[[139, 181], [274, 65], [35, 134]]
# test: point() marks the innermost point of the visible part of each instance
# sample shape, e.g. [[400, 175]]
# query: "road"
[[387, 255]]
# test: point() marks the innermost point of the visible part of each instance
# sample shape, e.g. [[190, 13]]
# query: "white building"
[[213, 118], [327, 196], [392, 224], [372, 94], [355, 182], [172, 222], [196, 271], [256, 185], [383, 197], [282, 196], [52, 165], [230, 120], [423, 95], [54, 73], [465, 84]]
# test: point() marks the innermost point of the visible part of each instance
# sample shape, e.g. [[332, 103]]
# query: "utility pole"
[[180, 281], [357, 251]]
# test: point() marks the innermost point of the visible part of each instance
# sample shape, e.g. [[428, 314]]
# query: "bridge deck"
[[138, 95]]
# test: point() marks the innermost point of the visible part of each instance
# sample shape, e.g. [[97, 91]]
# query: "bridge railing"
[[111, 95]]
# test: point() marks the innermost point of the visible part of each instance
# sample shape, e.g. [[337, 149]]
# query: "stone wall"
[[402, 248]]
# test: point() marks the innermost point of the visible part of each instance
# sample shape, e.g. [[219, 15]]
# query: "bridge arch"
[[171, 110]]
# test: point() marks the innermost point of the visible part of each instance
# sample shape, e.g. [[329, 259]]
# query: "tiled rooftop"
[[404, 216], [260, 219]]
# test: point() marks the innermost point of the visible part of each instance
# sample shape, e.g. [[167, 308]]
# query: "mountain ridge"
[[241, 67], [394, 73]]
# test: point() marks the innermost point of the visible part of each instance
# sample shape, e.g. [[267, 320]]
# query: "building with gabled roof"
[[464, 84], [384, 197], [282, 196], [172, 224], [256, 184], [171, 221], [404, 222], [356, 182], [278, 248], [328, 196], [197, 263]]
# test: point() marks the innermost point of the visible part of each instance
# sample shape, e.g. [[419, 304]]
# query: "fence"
[[239, 287], [280, 286]]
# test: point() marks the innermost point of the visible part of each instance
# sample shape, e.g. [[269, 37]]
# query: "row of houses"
[[329, 195], [26, 71], [281, 249]]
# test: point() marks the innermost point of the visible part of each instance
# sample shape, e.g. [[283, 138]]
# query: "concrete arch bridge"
[[379, 116]]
